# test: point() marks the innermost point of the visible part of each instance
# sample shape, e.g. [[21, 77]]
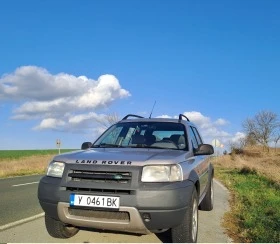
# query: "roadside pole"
[[216, 144], [58, 143]]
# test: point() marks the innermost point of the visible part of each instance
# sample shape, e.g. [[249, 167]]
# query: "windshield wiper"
[[153, 147], [106, 145]]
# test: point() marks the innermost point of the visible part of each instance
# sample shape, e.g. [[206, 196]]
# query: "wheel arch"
[[195, 179]]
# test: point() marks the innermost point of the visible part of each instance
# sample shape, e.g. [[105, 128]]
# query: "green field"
[[16, 154]]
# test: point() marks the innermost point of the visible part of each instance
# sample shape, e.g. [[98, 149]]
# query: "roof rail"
[[181, 115], [131, 115]]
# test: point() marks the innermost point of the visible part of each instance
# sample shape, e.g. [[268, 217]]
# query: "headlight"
[[55, 169], [162, 173]]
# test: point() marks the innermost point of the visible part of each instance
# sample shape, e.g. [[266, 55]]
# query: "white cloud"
[[220, 122], [164, 116], [213, 131], [50, 123], [237, 137], [59, 100], [58, 94], [77, 119], [199, 119], [208, 128], [36, 83], [85, 120]]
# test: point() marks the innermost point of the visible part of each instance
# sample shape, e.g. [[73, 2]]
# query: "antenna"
[[152, 109]]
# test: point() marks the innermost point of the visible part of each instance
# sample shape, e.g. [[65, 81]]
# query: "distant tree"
[[261, 127], [108, 120], [250, 140], [276, 139], [237, 146]]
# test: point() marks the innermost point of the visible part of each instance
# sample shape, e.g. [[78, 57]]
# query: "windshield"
[[165, 135]]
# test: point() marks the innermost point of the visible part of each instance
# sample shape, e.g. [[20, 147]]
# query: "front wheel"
[[58, 229], [208, 201], [187, 230]]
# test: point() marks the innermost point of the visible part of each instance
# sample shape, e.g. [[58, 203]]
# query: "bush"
[[247, 170]]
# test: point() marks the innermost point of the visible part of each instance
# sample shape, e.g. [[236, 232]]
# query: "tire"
[[187, 230], [57, 229], [208, 201]]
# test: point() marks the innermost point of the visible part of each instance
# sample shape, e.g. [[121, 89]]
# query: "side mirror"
[[86, 145], [204, 149]]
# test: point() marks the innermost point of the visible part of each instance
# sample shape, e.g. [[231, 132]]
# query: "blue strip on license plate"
[[72, 196]]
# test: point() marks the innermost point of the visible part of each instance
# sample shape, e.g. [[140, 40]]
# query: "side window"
[[197, 135], [193, 139]]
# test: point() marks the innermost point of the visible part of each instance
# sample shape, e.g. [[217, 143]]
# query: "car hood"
[[123, 156]]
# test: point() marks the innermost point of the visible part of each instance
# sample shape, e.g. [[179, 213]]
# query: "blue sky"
[[65, 63]]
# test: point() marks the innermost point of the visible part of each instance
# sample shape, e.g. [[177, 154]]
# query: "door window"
[[198, 138], [193, 139]]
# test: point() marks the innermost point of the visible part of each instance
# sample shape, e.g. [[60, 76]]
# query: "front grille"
[[92, 190], [100, 176], [108, 215]]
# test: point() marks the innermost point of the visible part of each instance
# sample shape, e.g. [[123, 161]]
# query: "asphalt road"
[[18, 198], [19, 201]]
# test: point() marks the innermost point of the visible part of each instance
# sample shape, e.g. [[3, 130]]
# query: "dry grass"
[[264, 163], [24, 166]]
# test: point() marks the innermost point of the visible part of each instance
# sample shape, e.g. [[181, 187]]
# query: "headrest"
[[178, 140], [138, 139], [150, 139], [175, 138]]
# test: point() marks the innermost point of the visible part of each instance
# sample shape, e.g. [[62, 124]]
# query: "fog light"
[[146, 217]]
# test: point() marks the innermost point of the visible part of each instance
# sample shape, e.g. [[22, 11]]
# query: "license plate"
[[94, 201]]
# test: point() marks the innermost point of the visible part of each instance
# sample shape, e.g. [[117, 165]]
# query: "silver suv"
[[141, 175]]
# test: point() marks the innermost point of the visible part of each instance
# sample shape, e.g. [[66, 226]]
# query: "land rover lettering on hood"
[[115, 162], [142, 175]]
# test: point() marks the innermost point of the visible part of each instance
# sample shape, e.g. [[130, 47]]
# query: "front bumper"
[[149, 207], [133, 223]]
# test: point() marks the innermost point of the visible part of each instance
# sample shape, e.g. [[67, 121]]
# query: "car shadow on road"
[[108, 231], [164, 237]]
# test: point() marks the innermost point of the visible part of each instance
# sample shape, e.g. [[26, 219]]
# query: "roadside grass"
[[15, 154], [254, 158], [255, 202], [25, 162]]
